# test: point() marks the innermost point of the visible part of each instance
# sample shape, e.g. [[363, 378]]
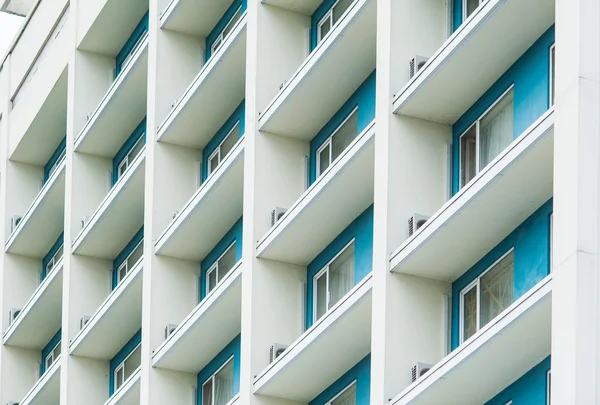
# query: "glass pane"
[[497, 287], [232, 22], [230, 141], [471, 6], [122, 168], [136, 255], [119, 378], [344, 135], [137, 148], [56, 350], [324, 27], [468, 153], [207, 393], [496, 130], [212, 279], [133, 362], [226, 262], [347, 397], [122, 272], [59, 254], [469, 313], [224, 384], [323, 159], [341, 275], [213, 164], [50, 266], [321, 294], [132, 52], [49, 361], [217, 44], [340, 8]]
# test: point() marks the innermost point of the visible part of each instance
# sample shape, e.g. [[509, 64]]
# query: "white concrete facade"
[[92, 78]]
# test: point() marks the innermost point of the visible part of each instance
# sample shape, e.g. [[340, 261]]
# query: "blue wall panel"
[[530, 389], [530, 75], [119, 357], [361, 229], [364, 99], [232, 349], [531, 242], [222, 23], [361, 373], [234, 234]]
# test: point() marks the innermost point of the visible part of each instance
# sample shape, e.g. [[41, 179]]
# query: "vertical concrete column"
[[576, 228]]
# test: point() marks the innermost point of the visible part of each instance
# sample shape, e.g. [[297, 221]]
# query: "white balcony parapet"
[[334, 200], [325, 343], [47, 389], [129, 393], [295, 111], [505, 193]]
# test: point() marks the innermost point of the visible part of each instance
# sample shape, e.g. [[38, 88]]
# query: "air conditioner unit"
[[276, 214], [276, 350], [419, 369], [415, 223], [84, 221], [416, 64], [14, 222], [12, 315], [175, 215], [169, 329], [83, 321], [12, 403], [282, 85]]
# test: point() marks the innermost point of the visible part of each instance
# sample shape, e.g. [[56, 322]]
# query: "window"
[[487, 296], [51, 265], [331, 18], [129, 263], [218, 389], [346, 397], [333, 281], [52, 356], [226, 145], [552, 74], [132, 52], [469, 6], [128, 367], [57, 163], [221, 268], [487, 137], [333, 147], [218, 42], [130, 157]]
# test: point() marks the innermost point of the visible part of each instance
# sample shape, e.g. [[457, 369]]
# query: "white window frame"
[[476, 284], [50, 356], [464, 8], [126, 160], [329, 16], [212, 379], [121, 366], [58, 162], [549, 387], [552, 58], [328, 142], [215, 267], [316, 277], [217, 151], [54, 260], [220, 39], [339, 394], [125, 265], [477, 134]]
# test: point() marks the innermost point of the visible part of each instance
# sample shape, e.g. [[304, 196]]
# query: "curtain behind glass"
[[340, 8], [344, 135], [497, 287], [496, 130], [341, 275], [469, 313], [227, 262], [348, 397], [224, 384]]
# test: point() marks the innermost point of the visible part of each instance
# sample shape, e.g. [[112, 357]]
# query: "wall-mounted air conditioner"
[[415, 65], [276, 214], [415, 223], [83, 321], [12, 315], [276, 350], [84, 221], [419, 369], [169, 329], [14, 222]]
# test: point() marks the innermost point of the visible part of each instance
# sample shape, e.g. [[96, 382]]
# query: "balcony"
[[513, 186], [120, 111], [112, 325], [43, 221], [306, 7], [41, 316], [287, 113], [47, 389], [128, 394], [333, 202], [213, 95], [118, 218], [200, 336], [509, 346], [326, 344], [210, 213], [473, 58], [193, 17]]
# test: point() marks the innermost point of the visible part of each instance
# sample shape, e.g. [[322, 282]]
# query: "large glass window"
[[218, 389], [487, 137], [216, 158], [341, 138], [52, 356], [333, 281], [220, 268], [218, 42], [331, 18], [130, 157], [130, 262], [487, 296], [128, 367], [346, 397]]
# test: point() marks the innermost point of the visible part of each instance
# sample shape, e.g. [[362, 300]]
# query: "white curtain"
[[341, 275], [223, 388], [496, 132]]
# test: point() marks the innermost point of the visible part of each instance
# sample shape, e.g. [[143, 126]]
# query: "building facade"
[[324, 202]]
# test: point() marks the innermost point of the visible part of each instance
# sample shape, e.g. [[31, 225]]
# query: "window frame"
[[552, 74], [464, 9], [220, 39], [53, 260], [476, 283], [477, 124], [51, 356], [215, 267], [329, 142], [339, 394], [329, 16], [212, 379], [325, 270], [217, 151], [61, 158], [121, 366], [124, 263], [126, 159]]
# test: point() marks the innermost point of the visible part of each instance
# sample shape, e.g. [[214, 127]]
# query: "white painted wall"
[[173, 388], [25, 183], [20, 371], [87, 380], [21, 279]]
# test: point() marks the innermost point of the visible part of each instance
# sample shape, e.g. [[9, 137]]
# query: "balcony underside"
[[46, 390], [306, 7], [193, 17]]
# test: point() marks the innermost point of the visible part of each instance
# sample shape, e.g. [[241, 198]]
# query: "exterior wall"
[[530, 76], [222, 23], [361, 373], [531, 243], [59, 242], [137, 238], [119, 357], [47, 349], [530, 389], [231, 350], [126, 148]]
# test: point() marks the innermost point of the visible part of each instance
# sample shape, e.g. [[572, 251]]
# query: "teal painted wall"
[[232, 349], [530, 389], [361, 373]]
